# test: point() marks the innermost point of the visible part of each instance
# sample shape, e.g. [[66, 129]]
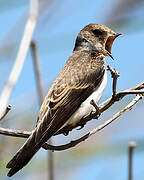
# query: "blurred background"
[[105, 155]]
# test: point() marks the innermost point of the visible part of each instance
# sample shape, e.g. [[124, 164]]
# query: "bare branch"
[[26, 134], [100, 127], [37, 71], [8, 108], [109, 102], [14, 133], [22, 52], [138, 87], [51, 161], [131, 148]]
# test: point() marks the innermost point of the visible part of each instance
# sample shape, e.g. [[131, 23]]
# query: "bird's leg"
[[95, 105]]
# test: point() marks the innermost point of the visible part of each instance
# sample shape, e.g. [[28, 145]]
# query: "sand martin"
[[82, 79]]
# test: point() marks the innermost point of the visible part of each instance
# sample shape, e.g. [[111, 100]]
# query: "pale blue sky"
[[56, 35]]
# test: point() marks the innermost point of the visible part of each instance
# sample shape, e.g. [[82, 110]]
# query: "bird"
[[82, 79]]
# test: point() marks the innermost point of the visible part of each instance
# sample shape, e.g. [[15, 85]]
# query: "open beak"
[[109, 43]]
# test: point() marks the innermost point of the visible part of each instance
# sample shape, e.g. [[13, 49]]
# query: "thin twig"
[[120, 95], [51, 161], [115, 74], [138, 86], [8, 108], [14, 133], [131, 148], [37, 71], [21, 55]]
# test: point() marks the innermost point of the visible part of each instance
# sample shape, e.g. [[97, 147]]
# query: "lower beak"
[[109, 43]]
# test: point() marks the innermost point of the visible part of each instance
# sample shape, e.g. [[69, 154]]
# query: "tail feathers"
[[17, 163], [24, 155], [44, 130]]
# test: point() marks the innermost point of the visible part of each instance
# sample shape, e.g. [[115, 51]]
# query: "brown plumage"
[[81, 76]]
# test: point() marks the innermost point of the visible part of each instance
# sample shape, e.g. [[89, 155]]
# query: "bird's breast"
[[85, 108]]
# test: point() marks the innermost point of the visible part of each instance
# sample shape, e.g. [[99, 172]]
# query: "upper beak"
[[117, 34], [109, 43]]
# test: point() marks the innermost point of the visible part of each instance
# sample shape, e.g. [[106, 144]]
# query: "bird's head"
[[96, 37]]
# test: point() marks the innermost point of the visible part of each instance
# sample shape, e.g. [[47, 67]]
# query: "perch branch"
[[100, 127], [26, 134]]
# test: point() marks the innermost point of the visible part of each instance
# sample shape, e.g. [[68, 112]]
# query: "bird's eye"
[[97, 32]]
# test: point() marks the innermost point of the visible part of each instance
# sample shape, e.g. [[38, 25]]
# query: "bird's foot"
[[95, 105], [81, 126], [66, 133]]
